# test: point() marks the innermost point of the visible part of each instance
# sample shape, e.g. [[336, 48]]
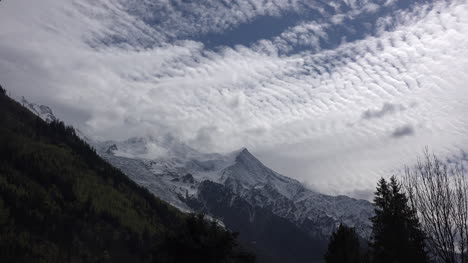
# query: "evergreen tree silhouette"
[[397, 236], [343, 246]]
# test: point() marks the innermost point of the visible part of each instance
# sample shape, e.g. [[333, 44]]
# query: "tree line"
[[423, 217]]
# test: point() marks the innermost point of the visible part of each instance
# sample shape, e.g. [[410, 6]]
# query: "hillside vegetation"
[[60, 202]]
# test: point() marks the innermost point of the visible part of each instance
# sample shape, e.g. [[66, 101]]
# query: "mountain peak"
[[42, 111], [243, 156], [242, 151]]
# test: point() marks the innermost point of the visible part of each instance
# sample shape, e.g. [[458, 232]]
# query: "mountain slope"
[[241, 173], [60, 202], [42, 111], [179, 174], [275, 239], [244, 194], [317, 213]]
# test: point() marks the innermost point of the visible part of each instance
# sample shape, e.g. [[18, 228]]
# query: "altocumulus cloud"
[[316, 101]]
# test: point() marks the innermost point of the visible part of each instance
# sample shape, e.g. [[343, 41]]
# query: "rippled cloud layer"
[[335, 95]]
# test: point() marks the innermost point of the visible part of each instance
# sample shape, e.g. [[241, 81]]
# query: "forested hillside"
[[60, 202]]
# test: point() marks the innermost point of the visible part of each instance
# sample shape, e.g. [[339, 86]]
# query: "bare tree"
[[439, 192]]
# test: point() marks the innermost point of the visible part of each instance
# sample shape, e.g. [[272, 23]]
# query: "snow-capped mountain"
[[169, 169], [282, 220], [174, 172], [44, 112]]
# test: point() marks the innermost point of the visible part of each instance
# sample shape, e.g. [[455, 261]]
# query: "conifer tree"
[[397, 236], [343, 246]]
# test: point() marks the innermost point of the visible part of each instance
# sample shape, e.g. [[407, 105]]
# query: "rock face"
[[42, 111], [239, 190], [275, 239]]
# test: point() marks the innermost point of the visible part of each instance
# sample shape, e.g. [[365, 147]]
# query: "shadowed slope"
[[60, 202]]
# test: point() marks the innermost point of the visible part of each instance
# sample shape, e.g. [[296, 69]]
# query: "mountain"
[[268, 209], [274, 239], [61, 202], [239, 190], [44, 112]]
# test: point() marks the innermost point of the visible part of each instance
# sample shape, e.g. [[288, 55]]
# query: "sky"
[[333, 93]]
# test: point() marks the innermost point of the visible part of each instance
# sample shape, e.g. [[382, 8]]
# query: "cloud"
[[118, 69], [406, 130], [204, 138], [387, 108]]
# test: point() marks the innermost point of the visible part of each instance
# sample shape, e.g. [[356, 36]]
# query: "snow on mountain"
[[248, 172], [235, 189], [169, 169], [173, 171], [289, 199], [44, 112]]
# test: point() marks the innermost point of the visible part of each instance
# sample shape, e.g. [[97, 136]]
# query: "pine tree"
[[397, 236], [343, 246]]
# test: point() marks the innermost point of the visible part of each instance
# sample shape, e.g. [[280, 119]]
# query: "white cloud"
[[302, 113]]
